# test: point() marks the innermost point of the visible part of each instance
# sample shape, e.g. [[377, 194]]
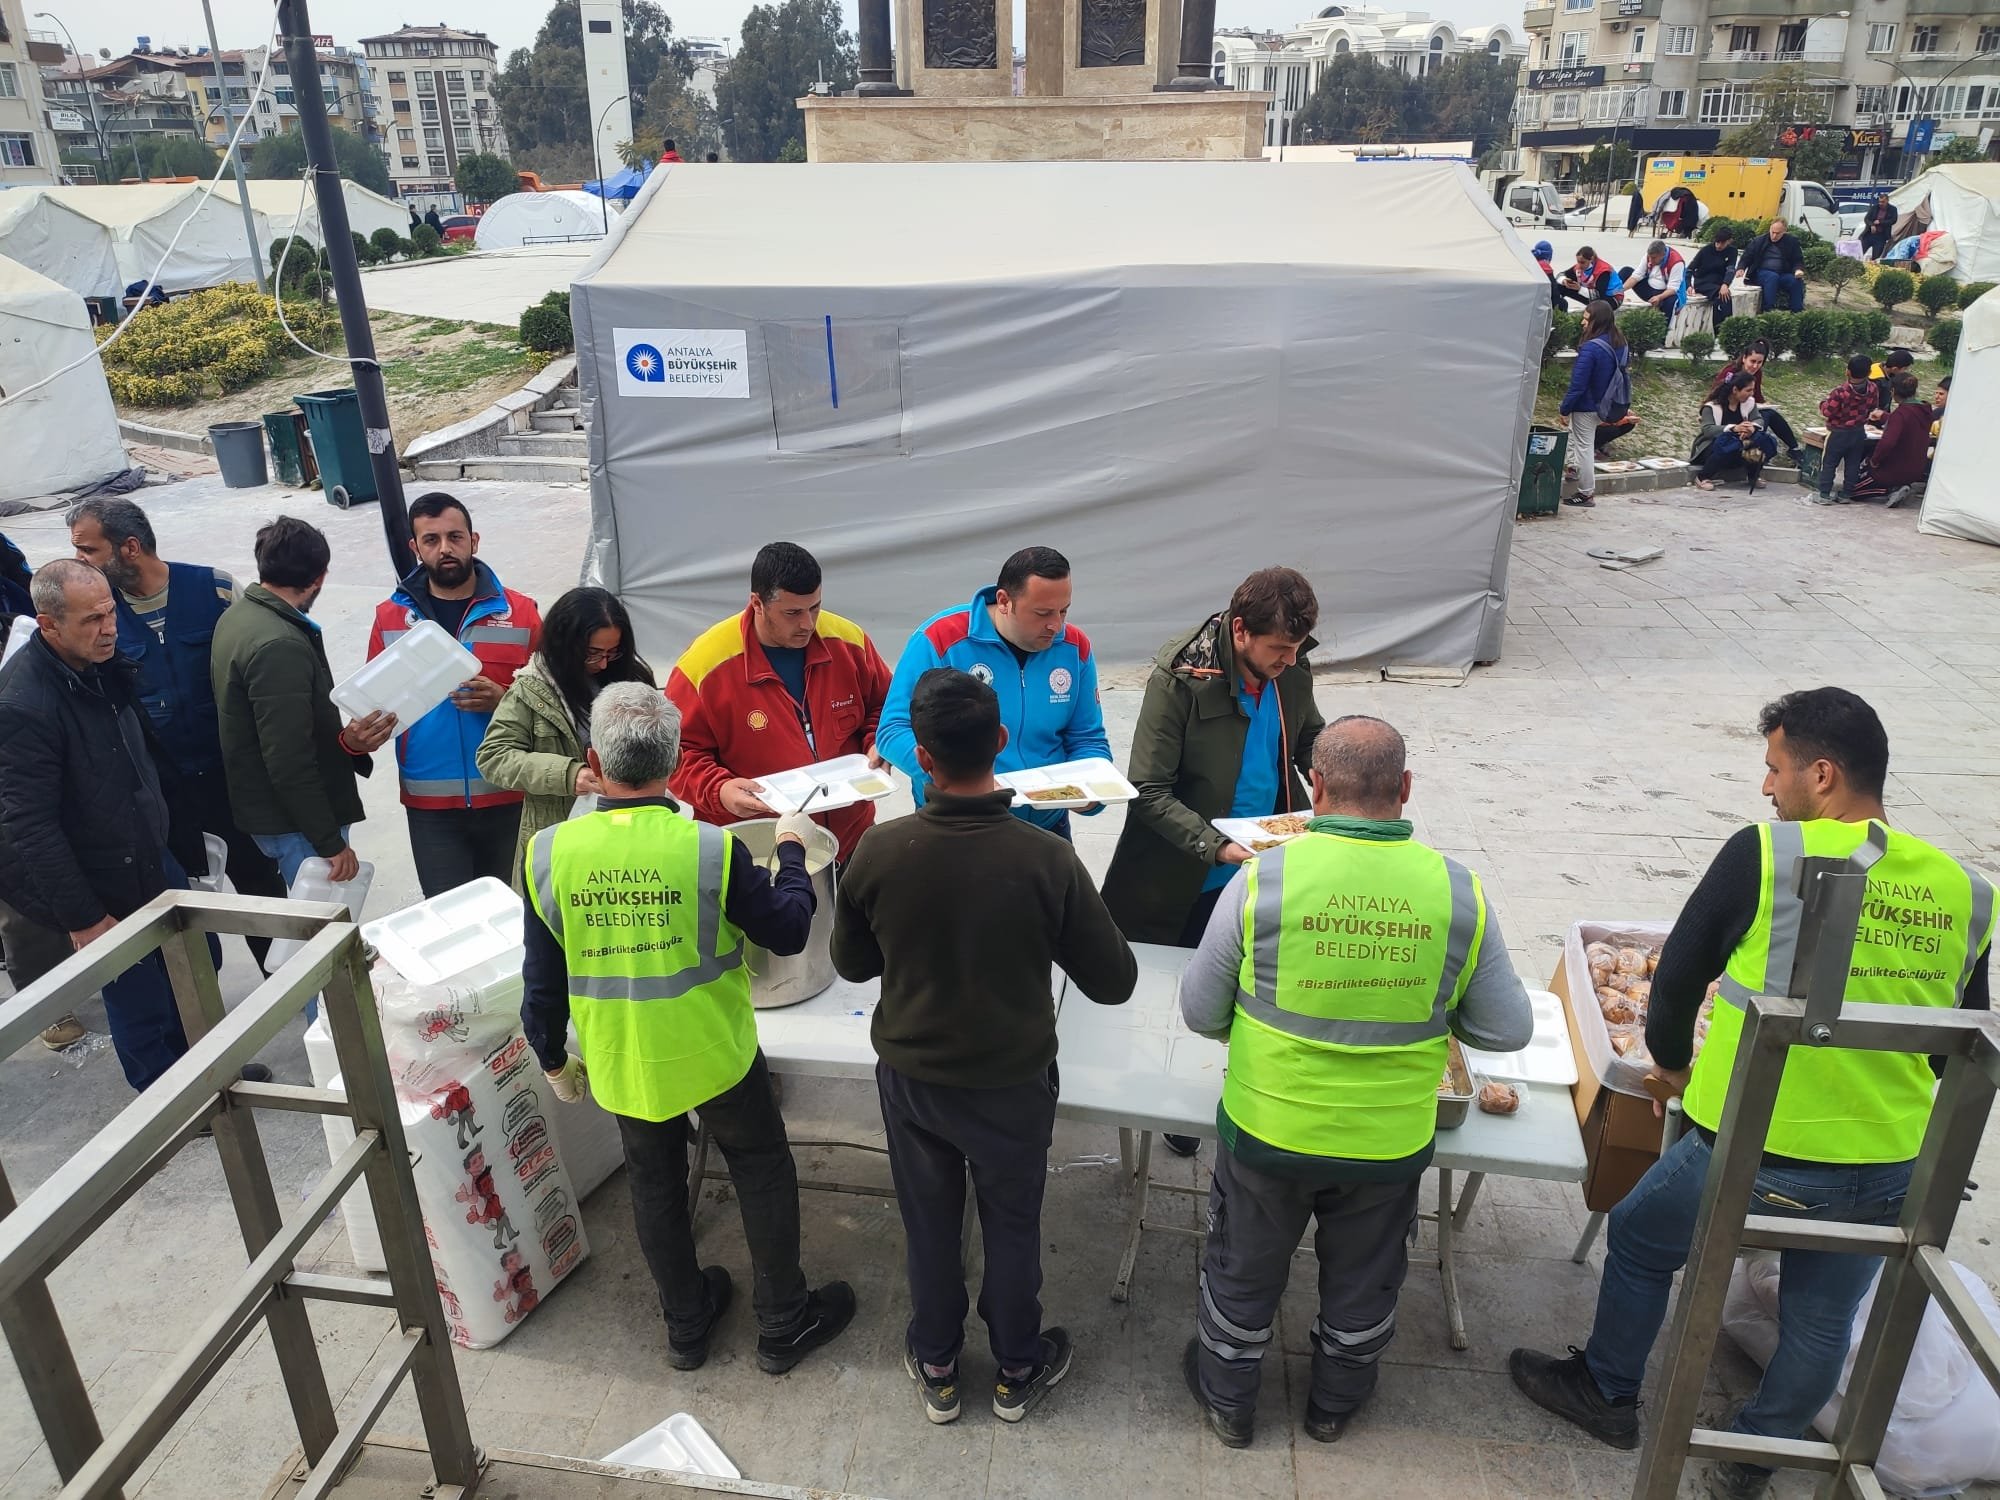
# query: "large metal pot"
[[776, 980]]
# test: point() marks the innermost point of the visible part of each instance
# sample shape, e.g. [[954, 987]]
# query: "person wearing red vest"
[[462, 826], [782, 685], [1661, 280]]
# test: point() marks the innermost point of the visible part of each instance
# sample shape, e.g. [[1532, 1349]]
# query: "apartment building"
[[1287, 65], [346, 84], [435, 84], [27, 145], [99, 111], [1679, 75]]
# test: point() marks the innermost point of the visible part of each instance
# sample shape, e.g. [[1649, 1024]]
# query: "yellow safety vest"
[[1924, 922], [657, 986], [1354, 953]]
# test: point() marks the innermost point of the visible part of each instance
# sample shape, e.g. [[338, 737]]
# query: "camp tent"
[[996, 354], [1963, 200], [277, 203], [65, 435], [1961, 498], [137, 221], [542, 218], [70, 248]]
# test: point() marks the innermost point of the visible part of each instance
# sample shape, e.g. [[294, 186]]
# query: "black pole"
[[1194, 68], [878, 68], [295, 28]]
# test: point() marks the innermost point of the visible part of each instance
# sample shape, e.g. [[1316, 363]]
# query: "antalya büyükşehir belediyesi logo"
[[644, 363]]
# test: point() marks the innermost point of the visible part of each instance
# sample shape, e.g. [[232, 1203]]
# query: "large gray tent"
[[1173, 372]]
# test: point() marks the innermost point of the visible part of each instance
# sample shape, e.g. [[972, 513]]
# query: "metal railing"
[[204, 1091], [1914, 1269]]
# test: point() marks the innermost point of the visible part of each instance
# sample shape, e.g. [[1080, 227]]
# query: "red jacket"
[[737, 719]]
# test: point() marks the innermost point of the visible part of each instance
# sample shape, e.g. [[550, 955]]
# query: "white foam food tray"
[[1250, 832], [679, 1443], [1548, 1057], [1099, 780], [476, 927], [848, 779], [417, 672]]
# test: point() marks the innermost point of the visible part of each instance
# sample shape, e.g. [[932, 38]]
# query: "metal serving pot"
[[776, 980]]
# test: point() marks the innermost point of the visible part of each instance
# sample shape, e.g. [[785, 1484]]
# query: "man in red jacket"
[[782, 685]]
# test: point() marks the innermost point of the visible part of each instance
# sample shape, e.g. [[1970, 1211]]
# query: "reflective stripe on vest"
[[1925, 920], [1355, 953]]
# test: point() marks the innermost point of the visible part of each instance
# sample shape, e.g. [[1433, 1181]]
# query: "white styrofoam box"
[[1548, 1057], [587, 1136], [470, 936], [414, 674], [679, 1443], [18, 635], [314, 882], [357, 1212], [1619, 1074], [215, 880]]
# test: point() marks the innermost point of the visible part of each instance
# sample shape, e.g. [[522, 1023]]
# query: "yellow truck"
[[1742, 187]]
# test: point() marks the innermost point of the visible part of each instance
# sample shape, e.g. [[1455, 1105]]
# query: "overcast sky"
[[512, 23]]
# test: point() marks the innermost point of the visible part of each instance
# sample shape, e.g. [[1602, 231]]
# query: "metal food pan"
[[1456, 1095]]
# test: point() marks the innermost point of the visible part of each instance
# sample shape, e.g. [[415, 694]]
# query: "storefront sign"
[[1859, 139], [1565, 78]]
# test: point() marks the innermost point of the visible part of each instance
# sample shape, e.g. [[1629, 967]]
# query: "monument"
[[1106, 80]]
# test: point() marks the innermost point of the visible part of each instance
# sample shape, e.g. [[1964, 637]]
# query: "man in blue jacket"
[[1015, 637]]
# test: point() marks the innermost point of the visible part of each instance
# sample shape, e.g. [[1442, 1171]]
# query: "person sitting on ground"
[[1601, 358], [1733, 435], [1775, 263], [1937, 411], [1710, 272], [1751, 362], [1545, 256], [1591, 280], [1883, 373], [1901, 461], [1659, 282]]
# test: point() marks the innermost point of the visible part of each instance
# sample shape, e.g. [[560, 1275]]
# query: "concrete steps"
[[560, 445], [519, 468], [558, 419]]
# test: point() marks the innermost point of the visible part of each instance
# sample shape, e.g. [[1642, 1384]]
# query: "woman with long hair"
[[1600, 356], [1733, 434], [539, 732], [1751, 362]]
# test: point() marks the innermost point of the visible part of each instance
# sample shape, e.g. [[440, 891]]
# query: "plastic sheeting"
[[1964, 201], [65, 435], [1961, 499], [544, 218], [1173, 372]]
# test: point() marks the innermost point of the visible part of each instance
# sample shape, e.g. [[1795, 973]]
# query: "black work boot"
[[1235, 1432], [828, 1311], [1565, 1387], [1323, 1426], [1731, 1481], [693, 1354]]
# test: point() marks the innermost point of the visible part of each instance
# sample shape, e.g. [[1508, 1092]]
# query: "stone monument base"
[[1216, 126]]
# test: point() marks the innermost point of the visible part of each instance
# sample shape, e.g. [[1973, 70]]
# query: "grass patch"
[[467, 362], [436, 328], [1667, 396]]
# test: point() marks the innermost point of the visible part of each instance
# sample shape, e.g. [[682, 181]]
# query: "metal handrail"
[[205, 1089]]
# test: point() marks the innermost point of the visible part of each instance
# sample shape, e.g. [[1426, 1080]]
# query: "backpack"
[[1616, 401]]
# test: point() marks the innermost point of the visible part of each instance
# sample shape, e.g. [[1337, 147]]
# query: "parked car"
[[460, 227]]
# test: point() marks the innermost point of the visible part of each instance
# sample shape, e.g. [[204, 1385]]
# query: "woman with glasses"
[[539, 732]]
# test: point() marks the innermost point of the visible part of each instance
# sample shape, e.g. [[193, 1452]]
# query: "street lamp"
[[597, 158], [90, 96], [1935, 85]]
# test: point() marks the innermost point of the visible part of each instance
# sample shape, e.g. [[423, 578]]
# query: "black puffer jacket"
[[82, 823]]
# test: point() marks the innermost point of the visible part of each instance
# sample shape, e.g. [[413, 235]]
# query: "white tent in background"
[[1962, 499], [1964, 201], [62, 244], [143, 218], [276, 200], [542, 218], [65, 435]]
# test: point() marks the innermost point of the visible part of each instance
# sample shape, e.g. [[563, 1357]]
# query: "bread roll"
[[1499, 1098], [1622, 1012], [1632, 961]]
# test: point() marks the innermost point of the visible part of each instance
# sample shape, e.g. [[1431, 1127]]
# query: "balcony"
[[1724, 11], [1950, 7], [1538, 17], [1747, 67]]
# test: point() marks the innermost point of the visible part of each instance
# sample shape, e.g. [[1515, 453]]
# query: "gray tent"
[[1172, 372]]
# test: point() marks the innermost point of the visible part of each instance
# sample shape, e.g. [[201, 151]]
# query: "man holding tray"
[[785, 684]]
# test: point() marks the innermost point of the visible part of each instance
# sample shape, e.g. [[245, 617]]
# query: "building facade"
[[434, 85], [1679, 75], [346, 84], [28, 153], [99, 112], [1287, 65]]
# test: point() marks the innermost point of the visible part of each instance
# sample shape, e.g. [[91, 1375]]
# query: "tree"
[[1358, 100], [786, 49], [1789, 99], [484, 177], [543, 95], [178, 156], [674, 112], [1470, 95], [284, 156], [1608, 163], [1959, 148], [1816, 159]]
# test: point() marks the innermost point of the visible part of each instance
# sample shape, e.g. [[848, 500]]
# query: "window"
[[1679, 41], [438, 167], [17, 150], [433, 138], [1606, 105], [1528, 109], [478, 79], [1575, 48], [407, 137], [460, 112], [1924, 38], [455, 81], [1882, 36], [1673, 104], [430, 108], [1951, 100], [285, 96], [1545, 51], [463, 136], [1638, 41], [1989, 39], [279, 65], [1744, 38], [332, 98], [1871, 98], [1566, 107], [10, 82], [1525, 200], [399, 106], [410, 164], [424, 83], [1579, 4], [263, 106], [395, 78]]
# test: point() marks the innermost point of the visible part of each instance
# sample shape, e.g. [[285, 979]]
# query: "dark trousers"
[[936, 1134], [1775, 420], [453, 845], [1782, 293], [200, 804], [1197, 918], [1255, 1221], [1844, 445], [744, 1122]]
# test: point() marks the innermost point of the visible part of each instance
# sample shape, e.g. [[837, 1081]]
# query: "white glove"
[[795, 825], [570, 1082]]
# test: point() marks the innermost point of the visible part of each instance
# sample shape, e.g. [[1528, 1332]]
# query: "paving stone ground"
[[1591, 772]]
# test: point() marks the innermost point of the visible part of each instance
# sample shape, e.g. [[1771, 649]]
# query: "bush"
[[1937, 293], [1565, 328], [1971, 292], [1812, 336], [1844, 331], [1779, 329], [1736, 335], [1943, 337], [364, 248], [560, 301], [1875, 328], [426, 239], [1645, 329], [1893, 287], [547, 328], [1817, 258], [407, 247], [387, 243], [1698, 345], [1840, 271]]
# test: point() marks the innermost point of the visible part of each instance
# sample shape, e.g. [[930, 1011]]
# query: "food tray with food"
[[1548, 1057], [1074, 783], [1456, 1089], [1609, 967], [848, 779], [1257, 834]]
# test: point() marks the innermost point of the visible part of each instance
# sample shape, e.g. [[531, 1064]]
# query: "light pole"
[[1935, 85], [597, 159], [89, 94], [235, 155]]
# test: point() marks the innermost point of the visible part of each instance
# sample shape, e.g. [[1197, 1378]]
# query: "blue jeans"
[[290, 850], [1781, 293], [1650, 1235]]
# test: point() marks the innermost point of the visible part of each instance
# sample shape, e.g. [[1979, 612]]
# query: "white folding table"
[[1138, 1067]]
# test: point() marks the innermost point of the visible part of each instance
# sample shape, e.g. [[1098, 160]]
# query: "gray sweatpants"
[[1255, 1222]]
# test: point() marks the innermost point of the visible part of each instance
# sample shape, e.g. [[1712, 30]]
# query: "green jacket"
[[532, 746], [280, 732], [1186, 751]]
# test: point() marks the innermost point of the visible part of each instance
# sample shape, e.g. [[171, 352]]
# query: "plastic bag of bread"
[[1619, 1010], [1632, 961], [1629, 1042], [1498, 1097], [1592, 952], [1652, 961], [1639, 992]]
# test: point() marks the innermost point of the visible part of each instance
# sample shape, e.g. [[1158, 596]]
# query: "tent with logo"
[[991, 355], [65, 435], [1962, 200], [542, 219], [1961, 499]]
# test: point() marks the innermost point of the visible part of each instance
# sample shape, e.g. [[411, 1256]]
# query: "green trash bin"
[[287, 447], [1542, 471], [340, 443]]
